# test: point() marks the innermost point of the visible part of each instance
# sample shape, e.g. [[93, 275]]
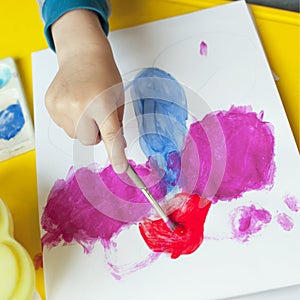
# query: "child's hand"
[[86, 96]]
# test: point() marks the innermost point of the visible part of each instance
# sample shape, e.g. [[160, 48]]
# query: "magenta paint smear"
[[285, 221], [118, 271], [247, 221], [203, 48], [244, 161], [292, 203], [93, 206]]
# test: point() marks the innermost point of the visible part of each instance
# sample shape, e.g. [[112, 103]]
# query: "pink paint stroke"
[[234, 151], [285, 221], [247, 221], [203, 48], [292, 203], [94, 206]]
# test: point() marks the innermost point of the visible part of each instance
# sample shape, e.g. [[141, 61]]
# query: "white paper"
[[219, 268]]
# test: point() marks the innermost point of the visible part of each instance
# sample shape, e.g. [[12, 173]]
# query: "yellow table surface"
[[21, 33]]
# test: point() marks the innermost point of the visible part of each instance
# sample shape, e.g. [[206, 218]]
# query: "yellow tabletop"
[[21, 33]]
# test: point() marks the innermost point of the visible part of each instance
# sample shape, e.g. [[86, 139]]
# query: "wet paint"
[[248, 152], [161, 112], [203, 49], [11, 121], [187, 237], [285, 221], [247, 221], [292, 203], [91, 206]]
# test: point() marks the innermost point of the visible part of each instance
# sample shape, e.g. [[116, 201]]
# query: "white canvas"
[[221, 267]]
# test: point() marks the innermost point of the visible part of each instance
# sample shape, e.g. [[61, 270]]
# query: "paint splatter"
[[292, 203], [285, 221], [93, 206], [161, 110], [203, 48], [11, 121], [244, 161], [247, 221], [190, 216], [5, 75]]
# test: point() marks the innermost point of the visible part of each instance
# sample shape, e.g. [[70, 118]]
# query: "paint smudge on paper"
[[247, 221], [190, 215], [92, 206], [117, 270], [161, 111], [249, 154], [11, 121], [285, 221], [292, 203], [5, 75], [203, 48]]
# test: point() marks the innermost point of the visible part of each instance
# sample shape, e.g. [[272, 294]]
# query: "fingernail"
[[121, 168]]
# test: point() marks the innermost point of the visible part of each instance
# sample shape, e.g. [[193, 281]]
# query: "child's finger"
[[68, 126], [112, 136], [87, 131]]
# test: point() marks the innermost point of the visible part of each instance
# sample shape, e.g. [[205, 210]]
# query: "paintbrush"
[[141, 185]]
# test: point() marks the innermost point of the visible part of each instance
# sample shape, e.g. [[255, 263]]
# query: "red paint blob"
[[187, 237]]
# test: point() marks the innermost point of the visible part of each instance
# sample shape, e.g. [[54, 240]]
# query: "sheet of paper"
[[217, 57]]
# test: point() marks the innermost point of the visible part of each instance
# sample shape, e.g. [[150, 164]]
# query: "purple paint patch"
[[93, 206], [235, 154], [203, 48], [248, 220], [285, 221], [292, 203]]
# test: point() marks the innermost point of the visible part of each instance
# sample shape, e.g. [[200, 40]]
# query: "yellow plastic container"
[[17, 275]]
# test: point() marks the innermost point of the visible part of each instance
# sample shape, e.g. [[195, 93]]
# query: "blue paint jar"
[[5, 75]]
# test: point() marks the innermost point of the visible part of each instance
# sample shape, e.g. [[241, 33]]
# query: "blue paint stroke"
[[11, 121], [5, 75], [161, 109]]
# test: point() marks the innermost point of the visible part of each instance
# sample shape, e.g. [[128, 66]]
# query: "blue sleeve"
[[54, 9]]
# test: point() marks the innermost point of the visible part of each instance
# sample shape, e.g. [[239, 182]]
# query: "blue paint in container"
[[11, 121], [16, 130], [5, 75]]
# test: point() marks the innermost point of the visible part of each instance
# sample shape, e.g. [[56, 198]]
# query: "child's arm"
[[86, 96]]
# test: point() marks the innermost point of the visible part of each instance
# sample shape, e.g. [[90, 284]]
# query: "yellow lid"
[[17, 275]]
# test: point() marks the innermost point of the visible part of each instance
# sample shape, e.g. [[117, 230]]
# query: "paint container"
[[17, 275], [16, 130]]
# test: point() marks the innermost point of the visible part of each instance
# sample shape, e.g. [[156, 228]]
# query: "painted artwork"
[[208, 135]]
